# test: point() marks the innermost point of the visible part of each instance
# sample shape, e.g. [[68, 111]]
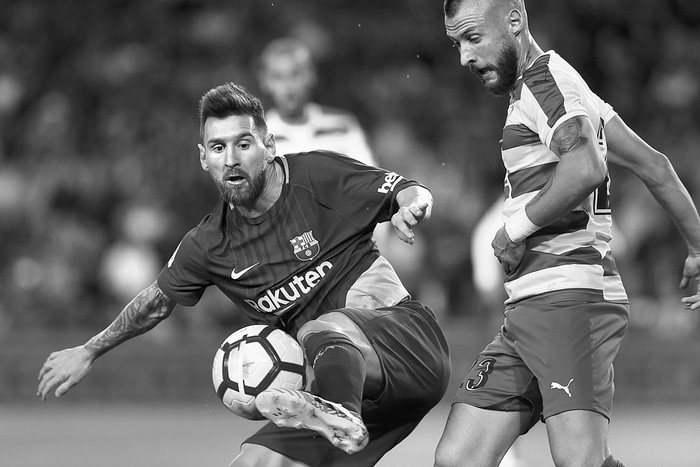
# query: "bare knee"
[[578, 438], [335, 321], [476, 437], [332, 321], [447, 454]]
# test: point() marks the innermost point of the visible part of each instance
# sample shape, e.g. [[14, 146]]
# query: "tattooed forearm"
[[145, 311], [569, 136]]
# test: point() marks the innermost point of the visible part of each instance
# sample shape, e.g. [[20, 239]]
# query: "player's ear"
[[203, 158], [516, 22], [270, 145]]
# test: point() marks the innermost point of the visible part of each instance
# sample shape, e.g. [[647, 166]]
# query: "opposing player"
[[290, 243], [288, 76], [567, 310]]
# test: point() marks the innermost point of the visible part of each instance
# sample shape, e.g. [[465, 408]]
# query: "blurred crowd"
[[99, 171]]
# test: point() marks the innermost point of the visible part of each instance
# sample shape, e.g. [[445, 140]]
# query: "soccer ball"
[[253, 359]]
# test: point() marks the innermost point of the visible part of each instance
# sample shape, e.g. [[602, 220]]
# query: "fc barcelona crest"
[[306, 247]]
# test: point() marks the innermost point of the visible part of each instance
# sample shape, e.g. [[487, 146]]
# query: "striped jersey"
[[325, 128], [310, 253], [573, 252]]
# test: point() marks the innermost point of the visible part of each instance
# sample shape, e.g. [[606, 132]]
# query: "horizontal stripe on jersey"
[[530, 179], [573, 251], [515, 136]]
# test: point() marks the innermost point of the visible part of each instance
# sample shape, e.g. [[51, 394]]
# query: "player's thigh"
[[335, 321], [475, 436], [578, 438], [570, 347], [255, 455]]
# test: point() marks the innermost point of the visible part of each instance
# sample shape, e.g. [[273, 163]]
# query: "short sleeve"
[[184, 278], [364, 195], [556, 99]]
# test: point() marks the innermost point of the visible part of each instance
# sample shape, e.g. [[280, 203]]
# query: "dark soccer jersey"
[[301, 257]]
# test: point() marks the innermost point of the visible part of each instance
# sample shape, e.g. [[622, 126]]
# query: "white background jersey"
[[325, 128]]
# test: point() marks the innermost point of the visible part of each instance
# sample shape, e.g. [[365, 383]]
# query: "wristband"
[[519, 226]]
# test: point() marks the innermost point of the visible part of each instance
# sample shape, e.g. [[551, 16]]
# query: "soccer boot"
[[301, 409]]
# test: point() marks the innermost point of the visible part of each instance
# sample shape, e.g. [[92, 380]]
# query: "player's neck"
[[274, 179], [296, 117], [530, 51]]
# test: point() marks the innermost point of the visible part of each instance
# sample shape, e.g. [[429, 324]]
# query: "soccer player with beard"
[[290, 243], [567, 310]]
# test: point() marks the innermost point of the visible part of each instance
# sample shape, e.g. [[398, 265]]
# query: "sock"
[[610, 461], [339, 368]]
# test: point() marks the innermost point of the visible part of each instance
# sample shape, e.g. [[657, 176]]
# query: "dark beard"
[[244, 197], [507, 71]]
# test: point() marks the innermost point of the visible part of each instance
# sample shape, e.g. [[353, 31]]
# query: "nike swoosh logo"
[[237, 275], [282, 310]]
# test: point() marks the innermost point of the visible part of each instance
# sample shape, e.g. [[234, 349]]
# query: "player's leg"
[[255, 455], [497, 401], [332, 345], [578, 438], [476, 437], [570, 345], [414, 357], [405, 353], [303, 410], [345, 366], [399, 392]]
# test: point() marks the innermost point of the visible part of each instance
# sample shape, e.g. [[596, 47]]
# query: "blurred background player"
[[288, 76]]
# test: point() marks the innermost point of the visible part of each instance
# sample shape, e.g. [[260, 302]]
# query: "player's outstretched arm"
[[415, 206], [628, 150], [66, 368]]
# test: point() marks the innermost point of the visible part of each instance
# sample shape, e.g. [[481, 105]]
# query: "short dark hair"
[[231, 99], [450, 7]]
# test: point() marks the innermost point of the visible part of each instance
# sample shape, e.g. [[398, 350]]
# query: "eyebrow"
[[237, 137], [467, 31]]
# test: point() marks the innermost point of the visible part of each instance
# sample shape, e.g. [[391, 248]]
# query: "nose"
[[466, 56], [230, 159]]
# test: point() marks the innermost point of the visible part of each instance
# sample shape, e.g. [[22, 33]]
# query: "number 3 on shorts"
[[485, 369]]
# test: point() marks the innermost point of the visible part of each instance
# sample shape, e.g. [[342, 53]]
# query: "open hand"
[[63, 370], [408, 217]]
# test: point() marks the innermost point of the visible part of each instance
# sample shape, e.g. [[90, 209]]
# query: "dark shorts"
[[415, 360], [553, 354]]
